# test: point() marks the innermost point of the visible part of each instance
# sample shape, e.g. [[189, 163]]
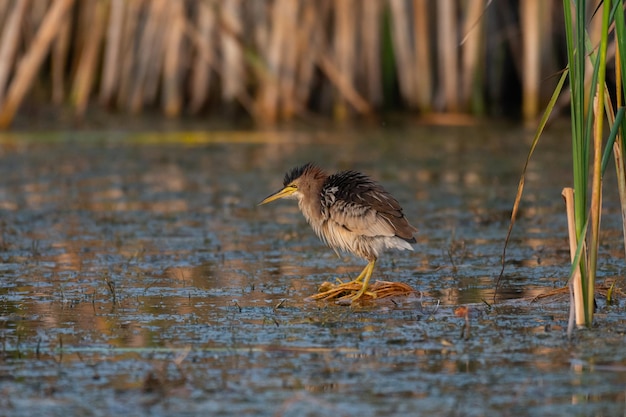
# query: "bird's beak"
[[287, 191]]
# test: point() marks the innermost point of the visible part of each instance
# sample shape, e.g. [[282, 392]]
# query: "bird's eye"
[[293, 186]]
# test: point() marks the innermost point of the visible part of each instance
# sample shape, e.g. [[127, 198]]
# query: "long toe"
[[362, 292]]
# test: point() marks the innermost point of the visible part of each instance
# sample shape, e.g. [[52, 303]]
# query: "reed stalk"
[[201, 64], [151, 52], [596, 188], [619, 145], [93, 29], [309, 43], [530, 12], [370, 37], [31, 62], [422, 62], [4, 10], [287, 80], [232, 55], [403, 50], [128, 45], [270, 93], [587, 137], [112, 53], [343, 53], [589, 156], [60, 53], [448, 55], [472, 53], [172, 99], [9, 41], [577, 303]]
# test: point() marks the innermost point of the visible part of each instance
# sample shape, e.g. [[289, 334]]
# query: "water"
[[139, 277]]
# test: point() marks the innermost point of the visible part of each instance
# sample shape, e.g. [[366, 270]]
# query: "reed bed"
[[596, 92], [277, 60]]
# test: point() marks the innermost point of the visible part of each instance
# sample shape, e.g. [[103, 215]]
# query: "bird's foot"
[[347, 300], [357, 280], [347, 291], [363, 291]]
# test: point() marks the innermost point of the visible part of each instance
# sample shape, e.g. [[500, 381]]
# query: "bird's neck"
[[311, 207]]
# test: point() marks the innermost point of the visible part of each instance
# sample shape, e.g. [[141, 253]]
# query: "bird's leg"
[[361, 275], [357, 279], [365, 276]]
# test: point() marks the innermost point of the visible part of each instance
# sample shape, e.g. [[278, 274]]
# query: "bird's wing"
[[360, 219], [362, 206]]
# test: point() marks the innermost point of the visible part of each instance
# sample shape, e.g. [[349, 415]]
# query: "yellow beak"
[[287, 191]]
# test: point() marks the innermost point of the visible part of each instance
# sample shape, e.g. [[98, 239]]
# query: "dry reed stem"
[[347, 91], [343, 52], [201, 66], [243, 98], [304, 61], [448, 54], [4, 10], [276, 58], [601, 289], [310, 46], [112, 53], [576, 283], [30, 63], [288, 72], [153, 55], [266, 106], [93, 28], [378, 290], [548, 59], [472, 52], [172, 88], [126, 54], [422, 64], [531, 43], [232, 71], [370, 52], [36, 13], [618, 152], [594, 27], [403, 50], [146, 55], [60, 56], [10, 40]]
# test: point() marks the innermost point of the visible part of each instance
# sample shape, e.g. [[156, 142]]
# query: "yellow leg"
[[362, 274], [365, 276], [357, 279]]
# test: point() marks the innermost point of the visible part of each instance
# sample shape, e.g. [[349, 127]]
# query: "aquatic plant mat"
[[343, 292], [608, 291]]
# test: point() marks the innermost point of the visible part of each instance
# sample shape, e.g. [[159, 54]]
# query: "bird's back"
[[355, 205]]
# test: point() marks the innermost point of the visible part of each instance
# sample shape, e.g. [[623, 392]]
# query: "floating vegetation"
[[609, 291], [342, 292]]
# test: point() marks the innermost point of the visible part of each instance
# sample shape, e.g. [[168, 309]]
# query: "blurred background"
[[277, 60]]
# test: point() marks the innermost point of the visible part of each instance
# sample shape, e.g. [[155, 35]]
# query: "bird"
[[350, 212]]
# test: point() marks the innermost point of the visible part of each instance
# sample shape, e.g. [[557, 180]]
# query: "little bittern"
[[349, 212]]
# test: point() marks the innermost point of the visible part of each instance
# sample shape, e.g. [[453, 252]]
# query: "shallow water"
[[139, 277]]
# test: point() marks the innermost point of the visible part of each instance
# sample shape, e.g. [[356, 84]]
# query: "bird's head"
[[299, 182]]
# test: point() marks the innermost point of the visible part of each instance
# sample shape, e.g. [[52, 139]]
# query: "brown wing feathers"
[[360, 195]]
